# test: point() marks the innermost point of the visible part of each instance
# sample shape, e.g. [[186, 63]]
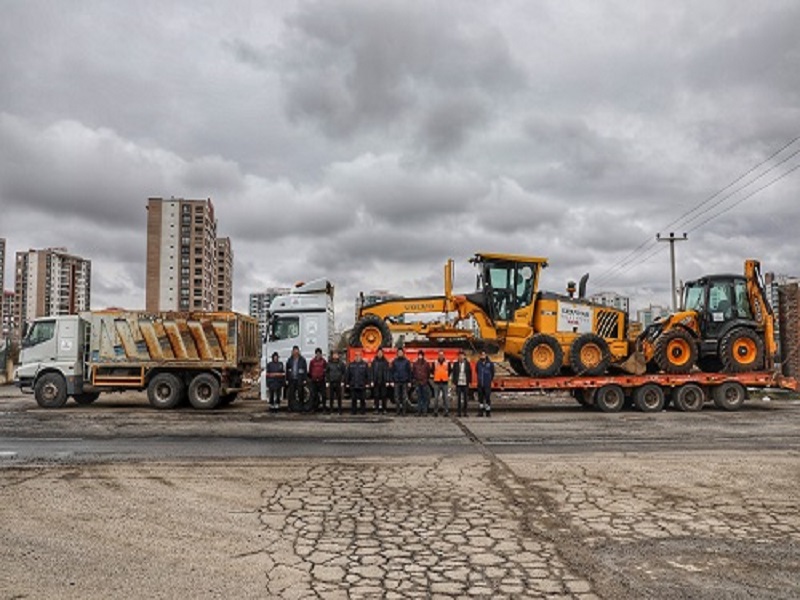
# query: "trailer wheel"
[[675, 351], [741, 350], [50, 390], [371, 333], [542, 355], [729, 395], [88, 398], [649, 398], [689, 397], [204, 391], [164, 391], [589, 355], [610, 398]]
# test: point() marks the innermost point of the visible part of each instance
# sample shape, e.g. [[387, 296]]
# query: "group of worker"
[[327, 378]]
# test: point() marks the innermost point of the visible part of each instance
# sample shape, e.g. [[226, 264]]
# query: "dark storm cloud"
[[360, 65]]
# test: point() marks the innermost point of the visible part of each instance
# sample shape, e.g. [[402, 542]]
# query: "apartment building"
[[8, 322], [182, 256], [612, 299], [50, 282], [224, 277]]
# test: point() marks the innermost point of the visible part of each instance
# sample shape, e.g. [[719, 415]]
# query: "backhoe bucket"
[[635, 364]]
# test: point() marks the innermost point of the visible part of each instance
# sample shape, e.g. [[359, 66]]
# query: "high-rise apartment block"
[[8, 321], [2, 264], [259, 305], [224, 274], [182, 256], [51, 282]]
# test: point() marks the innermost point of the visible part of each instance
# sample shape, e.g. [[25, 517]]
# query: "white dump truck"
[[304, 318], [207, 358]]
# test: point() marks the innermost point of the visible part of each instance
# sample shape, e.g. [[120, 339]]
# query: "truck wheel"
[[542, 355], [741, 350], [610, 398], [371, 333], [649, 398], [729, 395], [516, 365], [675, 351], [84, 399], [689, 397], [589, 355], [164, 391], [204, 391], [50, 390]]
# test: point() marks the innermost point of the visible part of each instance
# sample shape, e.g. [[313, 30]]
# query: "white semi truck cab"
[[304, 318]]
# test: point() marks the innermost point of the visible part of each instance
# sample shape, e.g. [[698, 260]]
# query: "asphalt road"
[[544, 500]]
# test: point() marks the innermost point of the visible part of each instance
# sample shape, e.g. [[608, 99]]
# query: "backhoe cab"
[[725, 323]]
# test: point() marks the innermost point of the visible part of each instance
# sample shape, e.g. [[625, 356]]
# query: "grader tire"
[[542, 355], [741, 350], [675, 351], [371, 333], [589, 355]]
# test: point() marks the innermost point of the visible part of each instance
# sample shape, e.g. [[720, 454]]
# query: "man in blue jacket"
[[401, 376], [484, 369], [296, 375]]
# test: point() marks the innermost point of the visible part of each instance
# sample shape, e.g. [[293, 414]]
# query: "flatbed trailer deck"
[[610, 392]]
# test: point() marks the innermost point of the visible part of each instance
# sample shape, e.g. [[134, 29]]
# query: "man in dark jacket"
[[276, 379], [461, 376], [380, 380], [421, 373], [484, 369], [316, 376], [401, 376], [358, 381], [296, 375], [335, 375]]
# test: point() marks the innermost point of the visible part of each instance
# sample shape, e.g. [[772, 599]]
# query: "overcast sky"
[[369, 141]]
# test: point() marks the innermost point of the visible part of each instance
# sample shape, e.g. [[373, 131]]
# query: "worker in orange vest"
[[441, 382]]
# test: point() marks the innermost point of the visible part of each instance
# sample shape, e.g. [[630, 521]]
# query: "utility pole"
[[672, 239]]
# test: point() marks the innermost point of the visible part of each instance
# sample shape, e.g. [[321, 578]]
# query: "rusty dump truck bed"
[[179, 339]]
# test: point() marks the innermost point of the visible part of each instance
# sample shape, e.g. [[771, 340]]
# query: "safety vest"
[[440, 374]]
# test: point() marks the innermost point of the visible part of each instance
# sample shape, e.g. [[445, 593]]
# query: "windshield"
[[284, 328], [693, 297]]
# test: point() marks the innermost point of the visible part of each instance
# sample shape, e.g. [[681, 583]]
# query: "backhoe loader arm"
[[759, 304]]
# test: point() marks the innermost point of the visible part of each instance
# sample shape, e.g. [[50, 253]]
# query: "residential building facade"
[[224, 274], [612, 299], [8, 322], [648, 315], [182, 261], [50, 282]]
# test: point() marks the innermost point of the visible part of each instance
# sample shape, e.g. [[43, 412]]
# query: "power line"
[[645, 246]]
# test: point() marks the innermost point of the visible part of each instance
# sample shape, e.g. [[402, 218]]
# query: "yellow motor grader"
[[538, 332], [725, 324]]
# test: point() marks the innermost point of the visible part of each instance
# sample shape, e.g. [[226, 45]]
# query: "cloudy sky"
[[369, 141]]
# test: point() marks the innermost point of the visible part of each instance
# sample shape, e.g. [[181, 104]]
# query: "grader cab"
[[538, 332]]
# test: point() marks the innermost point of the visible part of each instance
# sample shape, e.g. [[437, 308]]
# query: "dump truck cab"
[[53, 344]]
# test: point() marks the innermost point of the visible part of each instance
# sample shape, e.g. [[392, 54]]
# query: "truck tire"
[[542, 355], [50, 390], [741, 350], [204, 391], [729, 395], [164, 391], [85, 399], [589, 355], [675, 351], [610, 398], [371, 333], [649, 398], [688, 397]]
